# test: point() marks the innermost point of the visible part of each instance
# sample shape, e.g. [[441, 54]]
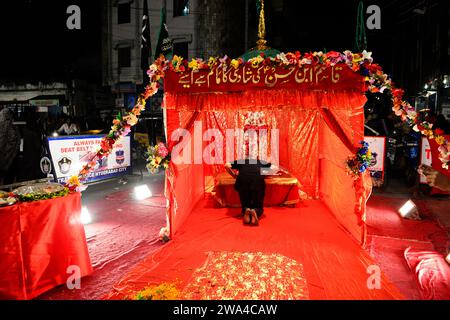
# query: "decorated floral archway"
[[361, 63], [290, 70]]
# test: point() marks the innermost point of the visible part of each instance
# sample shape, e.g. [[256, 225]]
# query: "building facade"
[[121, 51], [122, 41]]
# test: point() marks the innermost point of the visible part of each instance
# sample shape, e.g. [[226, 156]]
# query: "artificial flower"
[[439, 132], [131, 119], [162, 150], [234, 63], [282, 57], [357, 58], [361, 161], [74, 180], [193, 64], [164, 234], [163, 291], [126, 130], [223, 62], [106, 144], [443, 148], [367, 56], [212, 61], [439, 140], [256, 61], [158, 156], [374, 68], [398, 93]]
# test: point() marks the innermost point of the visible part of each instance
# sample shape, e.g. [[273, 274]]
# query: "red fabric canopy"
[[319, 127]]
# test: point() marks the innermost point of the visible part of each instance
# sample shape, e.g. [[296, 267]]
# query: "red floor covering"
[[123, 232], [389, 236], [332, 263], [389, 254], [383, 220]]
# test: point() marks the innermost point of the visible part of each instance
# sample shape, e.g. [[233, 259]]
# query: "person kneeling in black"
[[251, 187]]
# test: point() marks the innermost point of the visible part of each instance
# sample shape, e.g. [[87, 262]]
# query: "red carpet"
[[389, 236], [333, 264], [122, 233]]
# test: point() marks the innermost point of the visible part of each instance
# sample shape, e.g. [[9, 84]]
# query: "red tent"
[[315, 105], [317, 109]]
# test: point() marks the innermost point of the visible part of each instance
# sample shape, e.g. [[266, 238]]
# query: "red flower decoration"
[[374, 68], [439, 132], [308, 56], [107, 144], [398, 93]]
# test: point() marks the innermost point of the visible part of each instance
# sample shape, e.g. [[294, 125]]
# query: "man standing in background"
[[9, 146]]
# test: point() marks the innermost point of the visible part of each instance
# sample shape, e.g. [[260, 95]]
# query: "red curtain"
[[184, 185], [318, 130]]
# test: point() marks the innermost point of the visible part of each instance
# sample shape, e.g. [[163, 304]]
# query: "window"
[[181, 49], [123, 13], [124, 57], [180, 8]]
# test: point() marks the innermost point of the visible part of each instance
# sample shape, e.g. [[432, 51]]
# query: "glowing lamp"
[[409, 211], [142, 192], [85, 216], [55, 134]]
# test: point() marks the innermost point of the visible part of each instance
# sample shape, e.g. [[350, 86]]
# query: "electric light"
[[142, 192], [85, 217], [409, 211], [426, 86], [446, 81], [55, 134]]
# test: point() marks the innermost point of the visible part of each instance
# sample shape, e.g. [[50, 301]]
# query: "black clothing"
[[253, 199], [31, 156], [250, 184]]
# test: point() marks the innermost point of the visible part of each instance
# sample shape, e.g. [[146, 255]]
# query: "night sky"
[[37, 45]]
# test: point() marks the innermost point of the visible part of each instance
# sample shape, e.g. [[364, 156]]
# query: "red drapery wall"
[[184, 182], [314, 144], [341, 130], [298, 140]]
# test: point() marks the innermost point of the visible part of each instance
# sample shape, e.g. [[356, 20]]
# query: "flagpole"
[[145, 43], [261, 43]]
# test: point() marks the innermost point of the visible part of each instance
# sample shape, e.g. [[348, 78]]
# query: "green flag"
[[164, 45], [258, 8]]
